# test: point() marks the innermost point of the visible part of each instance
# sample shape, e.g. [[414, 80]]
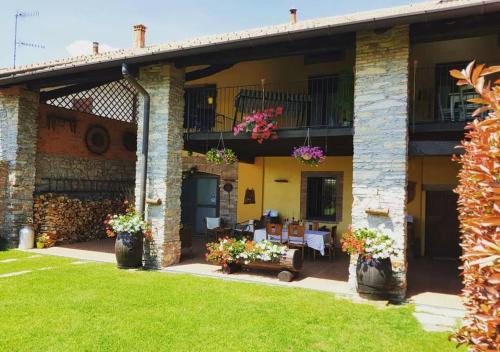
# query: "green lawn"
[[59, 306]]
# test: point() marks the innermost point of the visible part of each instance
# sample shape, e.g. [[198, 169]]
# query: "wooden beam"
[[287, 48], [466, 27], [206, 72], [113, 74], [75, 88]]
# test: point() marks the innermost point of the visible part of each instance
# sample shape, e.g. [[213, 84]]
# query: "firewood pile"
[[65, 219]]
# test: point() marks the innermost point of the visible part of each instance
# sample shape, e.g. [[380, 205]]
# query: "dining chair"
[[274, 233], [330, 245], [213, 227], [296, 237]]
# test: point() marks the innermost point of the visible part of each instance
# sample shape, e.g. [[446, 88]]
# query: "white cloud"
[[84, 47]]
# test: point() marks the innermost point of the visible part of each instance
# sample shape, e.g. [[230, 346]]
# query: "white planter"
[[26, 237]]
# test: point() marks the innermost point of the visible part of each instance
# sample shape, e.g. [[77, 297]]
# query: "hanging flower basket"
[[308, 154], [261, 124], [221, 156]]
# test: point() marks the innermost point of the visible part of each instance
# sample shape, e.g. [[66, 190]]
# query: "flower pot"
[[128, 250], [26, 237], [40, 245], [374, 276], [231, 268]]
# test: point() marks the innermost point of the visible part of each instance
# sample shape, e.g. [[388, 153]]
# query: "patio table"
[[314, 239]]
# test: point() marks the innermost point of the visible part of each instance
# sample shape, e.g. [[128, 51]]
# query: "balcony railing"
[[435, 96], [319, 102]]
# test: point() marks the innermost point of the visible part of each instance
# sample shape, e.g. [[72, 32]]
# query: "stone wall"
[[70, 167], [18, 129], [227, 174], [3, 194], [165, 85], [380, 157]]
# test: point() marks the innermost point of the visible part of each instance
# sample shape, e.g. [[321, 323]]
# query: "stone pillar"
[[165, 84], [18, 135], [380, 158]]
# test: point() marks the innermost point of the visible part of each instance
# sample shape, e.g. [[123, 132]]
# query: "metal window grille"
[[115, 100]]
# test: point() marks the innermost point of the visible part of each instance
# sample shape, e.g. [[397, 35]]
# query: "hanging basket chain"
[[221, 141]]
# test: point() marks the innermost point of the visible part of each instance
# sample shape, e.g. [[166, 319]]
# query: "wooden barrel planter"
[[288, 266], [374, 277], [128, 250]]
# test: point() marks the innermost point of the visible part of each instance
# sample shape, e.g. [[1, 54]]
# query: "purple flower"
[[309, 155]]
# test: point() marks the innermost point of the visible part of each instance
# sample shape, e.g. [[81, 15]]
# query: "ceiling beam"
[[206, 72], [112, 74], [75, 88], [467, 27], [287, 48]]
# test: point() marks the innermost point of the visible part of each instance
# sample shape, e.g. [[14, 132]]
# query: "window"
[[321, 196]]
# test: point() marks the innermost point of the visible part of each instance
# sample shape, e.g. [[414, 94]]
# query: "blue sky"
[[62, 25]]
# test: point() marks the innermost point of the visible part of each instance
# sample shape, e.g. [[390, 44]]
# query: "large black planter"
[[374, 277], [128, 250]]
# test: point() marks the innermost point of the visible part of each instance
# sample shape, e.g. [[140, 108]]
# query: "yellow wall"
[[250, 176], [282, 69], [285, 197]]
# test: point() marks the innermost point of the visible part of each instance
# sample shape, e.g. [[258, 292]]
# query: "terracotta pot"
[[128, 250]]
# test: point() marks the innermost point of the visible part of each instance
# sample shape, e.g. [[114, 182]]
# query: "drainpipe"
[[145, 136]]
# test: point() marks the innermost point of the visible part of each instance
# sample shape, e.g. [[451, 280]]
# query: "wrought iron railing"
[[325, 101], [435, 96]]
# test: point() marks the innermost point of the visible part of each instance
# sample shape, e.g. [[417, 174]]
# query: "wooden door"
[[442, 235]]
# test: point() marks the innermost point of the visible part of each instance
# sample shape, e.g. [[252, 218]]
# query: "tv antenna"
[[18, 15]]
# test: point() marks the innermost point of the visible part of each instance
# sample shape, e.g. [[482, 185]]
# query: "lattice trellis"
[[115, 100]]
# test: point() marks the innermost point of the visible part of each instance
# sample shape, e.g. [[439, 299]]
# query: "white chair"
[[213, 227]]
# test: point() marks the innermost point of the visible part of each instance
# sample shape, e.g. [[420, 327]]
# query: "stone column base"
[[171, 253]]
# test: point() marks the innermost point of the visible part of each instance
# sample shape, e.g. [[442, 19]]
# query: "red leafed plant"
[[479, 213]]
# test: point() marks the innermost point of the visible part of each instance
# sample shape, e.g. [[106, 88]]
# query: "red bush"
[[479, 213]]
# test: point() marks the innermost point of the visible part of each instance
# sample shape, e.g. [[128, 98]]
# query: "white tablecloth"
[[314, 239]]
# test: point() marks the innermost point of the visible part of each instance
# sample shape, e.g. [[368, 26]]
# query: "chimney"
[[293, 16], [95, 48], [139, 35]]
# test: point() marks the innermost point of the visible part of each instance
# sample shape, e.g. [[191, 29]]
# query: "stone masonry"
[[380, 157], [165, 84], [18, 129], [70, 167]]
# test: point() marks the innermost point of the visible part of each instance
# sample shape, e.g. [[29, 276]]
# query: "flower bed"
[[233, 251]]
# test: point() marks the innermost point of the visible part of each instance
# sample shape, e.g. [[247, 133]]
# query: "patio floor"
[[430, 282]]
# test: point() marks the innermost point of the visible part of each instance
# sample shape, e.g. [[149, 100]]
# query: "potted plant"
[[221, 156], [41, 240], [261, 124], [308, 155], [130, 230], [373, 268]]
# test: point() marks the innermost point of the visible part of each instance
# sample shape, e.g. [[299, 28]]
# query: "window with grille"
[[321, 196]]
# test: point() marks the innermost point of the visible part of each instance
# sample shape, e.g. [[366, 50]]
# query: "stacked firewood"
[[65, 219]]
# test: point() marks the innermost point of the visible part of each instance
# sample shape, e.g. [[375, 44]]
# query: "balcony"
[[437, 104], [319, 102]]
